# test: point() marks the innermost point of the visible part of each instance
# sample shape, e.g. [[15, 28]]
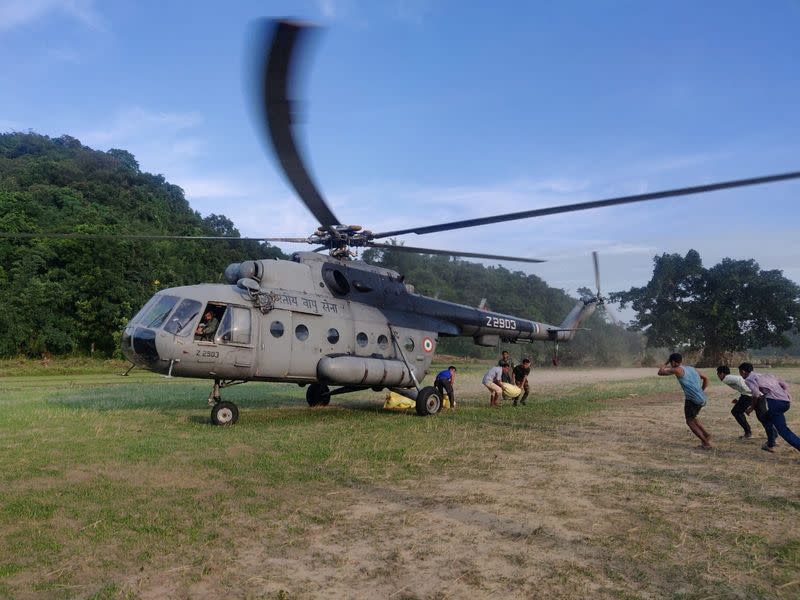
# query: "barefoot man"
[[690, 380]]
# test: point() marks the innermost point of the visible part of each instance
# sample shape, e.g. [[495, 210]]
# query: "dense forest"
[[64, 296], [61, 295]]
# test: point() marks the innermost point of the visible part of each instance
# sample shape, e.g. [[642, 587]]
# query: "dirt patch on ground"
[[620, 504]]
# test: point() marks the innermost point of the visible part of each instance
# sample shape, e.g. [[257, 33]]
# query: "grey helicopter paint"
[[316, 320]]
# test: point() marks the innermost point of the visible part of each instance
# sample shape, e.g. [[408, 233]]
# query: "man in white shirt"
[[743, 404], [492, 380]]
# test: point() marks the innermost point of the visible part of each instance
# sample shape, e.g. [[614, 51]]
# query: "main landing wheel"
[[224, 413], [318, 394], [428, 401]]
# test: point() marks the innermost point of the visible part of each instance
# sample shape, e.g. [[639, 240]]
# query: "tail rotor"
[[599, 298]]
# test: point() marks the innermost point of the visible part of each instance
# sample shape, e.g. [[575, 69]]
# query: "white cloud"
[[18, 13], [135, 123]]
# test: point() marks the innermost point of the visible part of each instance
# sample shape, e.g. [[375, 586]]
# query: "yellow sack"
[[446, 401], [396, 401], [510, 391]]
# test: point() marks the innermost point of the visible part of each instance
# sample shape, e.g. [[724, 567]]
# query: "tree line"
[[734, 306], [63, 296]]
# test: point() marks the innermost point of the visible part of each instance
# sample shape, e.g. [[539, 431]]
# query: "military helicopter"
[[330, 322]]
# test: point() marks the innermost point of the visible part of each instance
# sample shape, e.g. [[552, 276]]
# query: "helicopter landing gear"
[[224, 413], [318, 394], [428, 401]]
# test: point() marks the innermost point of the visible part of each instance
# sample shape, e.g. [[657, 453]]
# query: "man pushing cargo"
[[493, 380]]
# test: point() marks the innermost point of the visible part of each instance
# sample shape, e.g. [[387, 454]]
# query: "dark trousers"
[[445, 385], [761, 415], [775, 417], [738, 410], [525, 389]]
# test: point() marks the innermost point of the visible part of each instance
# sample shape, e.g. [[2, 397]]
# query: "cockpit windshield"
[[155, 311], [183, 316]]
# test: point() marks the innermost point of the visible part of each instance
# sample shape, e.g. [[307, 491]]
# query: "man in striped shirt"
[[775, 391]]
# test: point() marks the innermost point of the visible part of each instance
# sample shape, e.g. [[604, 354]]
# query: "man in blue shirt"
[[444, 383], [695, 398]]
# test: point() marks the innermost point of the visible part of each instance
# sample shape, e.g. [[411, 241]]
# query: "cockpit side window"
[[235, 327], [208, 327], [155, 312], [181, 320]]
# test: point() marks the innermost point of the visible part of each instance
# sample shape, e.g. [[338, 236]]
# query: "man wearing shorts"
[[693, 383], [492, 380]]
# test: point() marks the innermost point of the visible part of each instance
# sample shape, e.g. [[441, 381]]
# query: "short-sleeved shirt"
[[521, 372], [492, 374], [737, 383], [444, 375], [692, 386]]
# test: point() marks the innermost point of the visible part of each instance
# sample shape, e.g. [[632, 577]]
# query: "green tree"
[[71, 295], [733, 306]]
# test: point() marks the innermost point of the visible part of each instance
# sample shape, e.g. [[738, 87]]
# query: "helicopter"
[[330, 322]]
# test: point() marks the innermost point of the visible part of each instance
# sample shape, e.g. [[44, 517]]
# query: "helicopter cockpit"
[[187, 321]]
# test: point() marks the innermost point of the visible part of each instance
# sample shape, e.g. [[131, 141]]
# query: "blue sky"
[[422, 111]]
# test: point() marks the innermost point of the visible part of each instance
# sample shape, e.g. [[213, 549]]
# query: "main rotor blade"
[[123, 236], [540, 212], [452, 253], [280, 56]]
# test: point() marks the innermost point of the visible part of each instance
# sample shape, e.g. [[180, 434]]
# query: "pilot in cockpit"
[[207, 326]]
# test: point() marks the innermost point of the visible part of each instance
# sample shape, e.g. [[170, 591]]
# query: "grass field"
[[118, 487]]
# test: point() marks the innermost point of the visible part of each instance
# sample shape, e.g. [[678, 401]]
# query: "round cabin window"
[[362, 339], [301, 332], [276, 329], [383, 342], [409, 345], [333, 335]]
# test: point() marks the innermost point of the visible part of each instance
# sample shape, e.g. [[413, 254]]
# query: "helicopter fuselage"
[[312, 319]]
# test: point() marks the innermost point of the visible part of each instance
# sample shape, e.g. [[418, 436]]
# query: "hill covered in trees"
[[66, 296]]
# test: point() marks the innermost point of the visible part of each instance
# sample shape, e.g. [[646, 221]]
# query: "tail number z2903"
[[501, 323]]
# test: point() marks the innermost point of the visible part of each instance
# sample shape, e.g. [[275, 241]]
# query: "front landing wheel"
[[428, 401], [224, 413]]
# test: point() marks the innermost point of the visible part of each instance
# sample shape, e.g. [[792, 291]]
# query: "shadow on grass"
[[257, 402], [170, 396]]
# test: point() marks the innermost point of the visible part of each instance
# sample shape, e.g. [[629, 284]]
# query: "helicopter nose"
[[139, 346]]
